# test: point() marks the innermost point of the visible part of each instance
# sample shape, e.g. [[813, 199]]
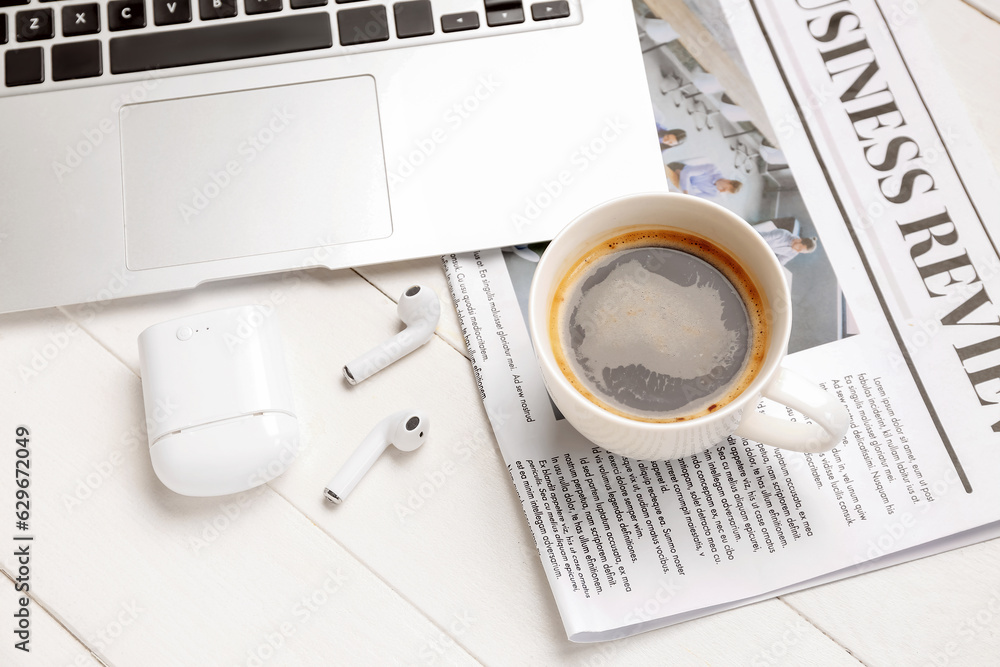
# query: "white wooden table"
[[430, 561]]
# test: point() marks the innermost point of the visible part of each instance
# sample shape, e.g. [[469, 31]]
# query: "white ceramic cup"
[[653, 440]]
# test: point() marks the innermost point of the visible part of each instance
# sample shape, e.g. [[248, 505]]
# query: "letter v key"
[[171, 12]]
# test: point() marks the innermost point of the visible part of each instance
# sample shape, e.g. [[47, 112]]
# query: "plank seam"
[[462, 352], [826, 634], [380, 578], [59, 621]]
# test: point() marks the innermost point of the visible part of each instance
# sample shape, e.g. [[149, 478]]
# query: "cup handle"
[[828, 414]]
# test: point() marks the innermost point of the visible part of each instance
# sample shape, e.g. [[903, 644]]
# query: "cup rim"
[[539, 303]]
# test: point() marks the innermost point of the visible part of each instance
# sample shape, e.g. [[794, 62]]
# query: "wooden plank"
[[49, 644], [968, 44], [940, 611], [234, 580]]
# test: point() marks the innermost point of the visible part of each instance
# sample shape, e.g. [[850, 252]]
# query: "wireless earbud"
[[405, 430], [420, 311]]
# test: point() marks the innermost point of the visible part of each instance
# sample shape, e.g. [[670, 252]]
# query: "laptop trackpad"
[[253, 172]]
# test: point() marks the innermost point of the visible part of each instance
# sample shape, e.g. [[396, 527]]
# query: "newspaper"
[[893, 310]]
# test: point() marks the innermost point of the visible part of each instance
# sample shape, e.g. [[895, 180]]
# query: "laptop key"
[[216, 9], [24, 66], [171, 12], [413, 19], [305, 4], [262, 6], [217, 43], [76, 60], [126, 14], [459, 22], [362, 25], [499, 17], [13, 3], [81, 20], [543, 11], [3, 28], [34, 24]]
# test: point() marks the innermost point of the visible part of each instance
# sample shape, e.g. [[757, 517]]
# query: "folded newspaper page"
[[893, 269]]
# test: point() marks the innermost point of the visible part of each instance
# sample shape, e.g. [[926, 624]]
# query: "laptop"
[[155, 145]]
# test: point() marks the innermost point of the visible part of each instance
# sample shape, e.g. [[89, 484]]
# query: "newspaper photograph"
[[881, 232]]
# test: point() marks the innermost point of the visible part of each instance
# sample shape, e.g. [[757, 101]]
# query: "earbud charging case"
[[219, 411]]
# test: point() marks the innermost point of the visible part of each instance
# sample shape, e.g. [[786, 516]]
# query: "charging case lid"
[[213, 366], [218, 401]]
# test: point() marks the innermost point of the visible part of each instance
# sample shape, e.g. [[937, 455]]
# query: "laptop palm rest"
[[251, 172]]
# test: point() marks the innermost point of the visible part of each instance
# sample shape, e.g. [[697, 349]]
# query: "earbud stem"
[[359, 463], [374, 360]]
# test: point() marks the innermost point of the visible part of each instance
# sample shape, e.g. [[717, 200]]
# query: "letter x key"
[[80, 20]]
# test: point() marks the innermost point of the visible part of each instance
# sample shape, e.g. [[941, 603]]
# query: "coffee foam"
[[630, 331]]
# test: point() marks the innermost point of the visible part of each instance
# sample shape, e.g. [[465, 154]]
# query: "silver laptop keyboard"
[[64, 44]]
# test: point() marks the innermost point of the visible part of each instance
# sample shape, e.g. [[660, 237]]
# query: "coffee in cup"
[[659, 325]]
